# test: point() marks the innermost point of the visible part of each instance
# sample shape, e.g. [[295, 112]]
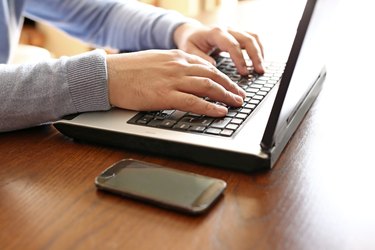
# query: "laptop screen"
[[305, 66]]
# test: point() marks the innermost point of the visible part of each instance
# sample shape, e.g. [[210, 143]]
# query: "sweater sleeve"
[[32, 94], [120, 24]]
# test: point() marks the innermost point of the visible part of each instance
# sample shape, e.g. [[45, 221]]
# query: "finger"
[[250, 44], [197, 59], [200, 53], [191, 103], [214, 74], [226, 42], [258, 41], [205, 87]]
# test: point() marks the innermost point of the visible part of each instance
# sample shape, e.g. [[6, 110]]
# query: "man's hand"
[[200, 40], [157, 79]]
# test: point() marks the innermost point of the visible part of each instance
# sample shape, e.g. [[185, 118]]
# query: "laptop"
[[249, 138]]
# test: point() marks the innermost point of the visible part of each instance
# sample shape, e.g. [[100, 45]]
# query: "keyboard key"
[[249, 94], [257, 86], [144, 119], [250, 106], [231, 113], [241, 116], [155, 123], [259, 83], [272, 81], [262, 78], [258, 97], [253, 90], [236, 121], [167, 123], [214, 131], [232, 126], [197, 129], [265, 89], [235, 77], [220, 123], [269, 85], [226, 132], [177, 115], [246, 110], [253, 101], [243, 82], [181, 126]]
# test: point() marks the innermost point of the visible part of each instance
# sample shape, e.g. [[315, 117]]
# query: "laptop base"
[[210, 156]]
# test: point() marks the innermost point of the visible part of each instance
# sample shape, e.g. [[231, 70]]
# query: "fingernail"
[[239, 99], [242, 93], [244, 70], [221, 111], [263, 68]]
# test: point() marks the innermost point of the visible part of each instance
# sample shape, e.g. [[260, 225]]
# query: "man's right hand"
[[169, 79]]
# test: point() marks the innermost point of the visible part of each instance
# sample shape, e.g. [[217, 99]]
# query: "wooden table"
[[320, 195]]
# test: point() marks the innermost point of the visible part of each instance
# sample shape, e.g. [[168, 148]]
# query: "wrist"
[[183, 31]]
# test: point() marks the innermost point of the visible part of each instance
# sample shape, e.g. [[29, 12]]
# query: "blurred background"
[[275, 21]]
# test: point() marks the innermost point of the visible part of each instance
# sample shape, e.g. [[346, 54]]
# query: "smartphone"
[[161, 186]]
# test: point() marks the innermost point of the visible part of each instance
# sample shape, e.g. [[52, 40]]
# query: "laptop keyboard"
[[256, 88]]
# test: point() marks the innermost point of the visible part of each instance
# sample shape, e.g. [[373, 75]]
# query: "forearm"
[[142, 27], [32, 94], [120, 24]]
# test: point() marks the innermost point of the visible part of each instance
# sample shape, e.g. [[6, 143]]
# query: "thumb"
[[200, 53]]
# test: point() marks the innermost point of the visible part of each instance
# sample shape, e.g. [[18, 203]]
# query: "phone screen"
[[162, 185]]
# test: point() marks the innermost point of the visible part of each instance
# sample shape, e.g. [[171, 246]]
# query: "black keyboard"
[[256, 88]]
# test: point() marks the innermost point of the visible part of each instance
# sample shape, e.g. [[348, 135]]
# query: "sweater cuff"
[[87, 80]]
